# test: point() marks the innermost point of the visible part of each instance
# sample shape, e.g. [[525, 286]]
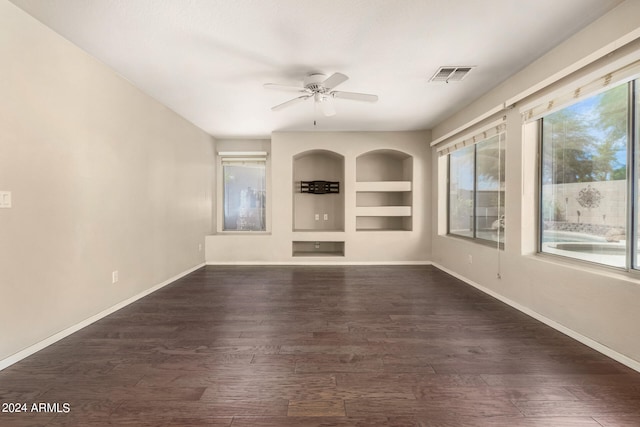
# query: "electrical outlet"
[[199, 247], [114, 276], [317, 217], [5, 199], [326, 217], [470, 259], [317, 245]]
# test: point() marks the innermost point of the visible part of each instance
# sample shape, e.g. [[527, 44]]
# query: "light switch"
[[5, 199]]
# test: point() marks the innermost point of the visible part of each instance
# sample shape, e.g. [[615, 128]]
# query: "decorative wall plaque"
[[589, 197]]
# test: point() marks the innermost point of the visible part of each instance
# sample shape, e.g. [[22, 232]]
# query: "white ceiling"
[[208, 59]]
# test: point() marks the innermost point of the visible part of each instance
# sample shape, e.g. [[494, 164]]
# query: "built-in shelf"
[[381, 223], [317, 249], [384, 184], [384, 198], [383, 211], [314, 230]]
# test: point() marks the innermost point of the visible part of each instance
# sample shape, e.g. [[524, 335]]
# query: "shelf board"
[[383, 211], [315, 230], [384, 230], [317, 254], [382, 186]]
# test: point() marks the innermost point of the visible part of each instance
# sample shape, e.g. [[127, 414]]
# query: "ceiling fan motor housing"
[[314, 81]]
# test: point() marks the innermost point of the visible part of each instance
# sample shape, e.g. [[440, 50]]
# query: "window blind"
[[242, 157], [553, 103], [486, 132]]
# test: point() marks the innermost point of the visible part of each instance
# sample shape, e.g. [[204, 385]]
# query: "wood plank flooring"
[[388, 346]]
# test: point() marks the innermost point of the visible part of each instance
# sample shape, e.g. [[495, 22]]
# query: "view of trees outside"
[[461, 192], [490, 171], [584, 155], [476, 190]]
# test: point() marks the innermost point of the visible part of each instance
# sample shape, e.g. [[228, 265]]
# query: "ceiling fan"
[[320, 87]]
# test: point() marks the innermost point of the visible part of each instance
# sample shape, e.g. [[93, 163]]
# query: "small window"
[[476, 191], [244, 195]]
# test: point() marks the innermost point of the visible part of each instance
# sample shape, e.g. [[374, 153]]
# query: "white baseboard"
[[627, 361], [319, 263], [4, 363]]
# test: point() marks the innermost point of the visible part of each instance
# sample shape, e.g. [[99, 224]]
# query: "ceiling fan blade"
[[334, 80], [355, 96], [327, 107], [285, 87], [290, 102]]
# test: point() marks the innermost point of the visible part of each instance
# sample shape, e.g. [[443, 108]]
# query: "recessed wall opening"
[[384, 197], [318, 212]]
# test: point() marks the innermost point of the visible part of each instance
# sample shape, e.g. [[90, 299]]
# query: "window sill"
[[603, 270], [242, 233], [481, 242]]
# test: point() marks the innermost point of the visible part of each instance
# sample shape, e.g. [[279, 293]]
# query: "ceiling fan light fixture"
[[326, 105]]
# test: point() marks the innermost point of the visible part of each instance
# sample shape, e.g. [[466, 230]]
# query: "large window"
[[244, 193], [584, 187], [476, 190]]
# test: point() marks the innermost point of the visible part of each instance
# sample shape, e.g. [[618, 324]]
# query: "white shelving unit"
[[384, 182]]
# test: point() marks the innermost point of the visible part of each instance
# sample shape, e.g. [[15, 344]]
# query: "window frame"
[[502, 136], [449, 233], [632, 206], [241, 156]]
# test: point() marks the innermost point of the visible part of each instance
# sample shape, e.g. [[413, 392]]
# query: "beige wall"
[[103, 178], [597, 303], [360, 246]]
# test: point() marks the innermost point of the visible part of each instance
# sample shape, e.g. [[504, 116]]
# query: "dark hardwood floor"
[[321, 346]]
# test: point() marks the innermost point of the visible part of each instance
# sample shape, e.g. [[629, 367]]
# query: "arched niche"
[[318, 212], [384, 165], [384, 191]]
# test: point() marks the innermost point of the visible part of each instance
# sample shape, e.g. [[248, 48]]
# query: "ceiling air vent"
[[450, 74]]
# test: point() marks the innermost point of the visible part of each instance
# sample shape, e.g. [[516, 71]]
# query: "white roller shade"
[[242, 157]]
